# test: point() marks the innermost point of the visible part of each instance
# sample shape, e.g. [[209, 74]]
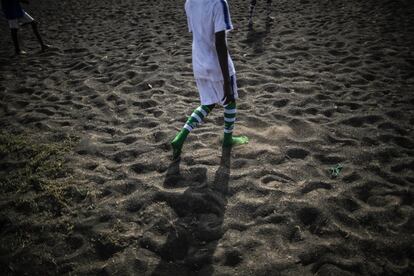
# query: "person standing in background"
[[16, 16], [252, 7]]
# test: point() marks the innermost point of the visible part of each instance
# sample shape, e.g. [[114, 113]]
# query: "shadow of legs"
[[190, 245], [173, 175]]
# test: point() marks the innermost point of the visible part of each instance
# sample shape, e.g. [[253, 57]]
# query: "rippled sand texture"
[[324, 83]]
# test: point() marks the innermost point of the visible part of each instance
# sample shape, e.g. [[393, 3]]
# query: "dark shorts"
[[15, 23], [12, 9]]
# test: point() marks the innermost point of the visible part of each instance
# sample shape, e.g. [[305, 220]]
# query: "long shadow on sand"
[[255, 38], [191, 243]]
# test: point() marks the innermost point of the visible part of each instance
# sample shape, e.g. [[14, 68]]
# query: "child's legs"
[[230, 112], [229, 120], [193, 121], [229, 117], [27, 19], [198, 116], [36, 32], [269, 8], [14, 27], [230, 109], [13, 32], [251, 9], [212, 91]]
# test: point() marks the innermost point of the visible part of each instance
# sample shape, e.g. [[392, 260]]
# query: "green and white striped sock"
[[229, 117], [229, 140], [193, 121], [197, 117]]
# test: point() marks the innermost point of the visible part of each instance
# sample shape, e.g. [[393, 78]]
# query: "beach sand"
[[322, 84]]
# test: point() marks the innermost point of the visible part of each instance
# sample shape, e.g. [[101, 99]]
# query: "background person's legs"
[[15, 41], [14, 27], [268, 8], [36, 32], [252, 7], [251, 11], [26, 19]]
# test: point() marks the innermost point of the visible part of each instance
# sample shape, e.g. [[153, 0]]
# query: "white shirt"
[[205, 18]]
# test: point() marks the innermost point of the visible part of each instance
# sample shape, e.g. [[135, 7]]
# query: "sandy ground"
[[324, 83]]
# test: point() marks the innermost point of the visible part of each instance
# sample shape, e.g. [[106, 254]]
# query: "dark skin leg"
[[15, 41], [269, 8], [222, 53], [36, 32], [251, 10]]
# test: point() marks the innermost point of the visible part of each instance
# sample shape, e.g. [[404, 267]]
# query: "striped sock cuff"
[[188, 127], [229, 117], [228, 130], [202, 111], [230, 111], [197, 117], [230, 120]]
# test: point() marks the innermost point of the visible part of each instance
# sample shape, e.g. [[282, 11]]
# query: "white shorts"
[[15, 23], [211, 92]]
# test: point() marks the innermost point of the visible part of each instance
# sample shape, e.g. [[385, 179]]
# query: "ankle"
[[180, 137], [228, 139], [228, 136]]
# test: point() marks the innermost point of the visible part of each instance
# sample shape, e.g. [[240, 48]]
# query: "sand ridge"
[[324, 83]]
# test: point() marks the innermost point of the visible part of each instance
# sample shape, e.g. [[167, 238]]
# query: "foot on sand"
[[178, 142], [176, 146], [230, 140]]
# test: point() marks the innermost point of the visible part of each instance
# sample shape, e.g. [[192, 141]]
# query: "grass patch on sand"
[[29, 163]]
